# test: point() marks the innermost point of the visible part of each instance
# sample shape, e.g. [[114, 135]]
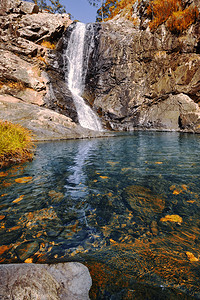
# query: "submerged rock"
[[50, 282]]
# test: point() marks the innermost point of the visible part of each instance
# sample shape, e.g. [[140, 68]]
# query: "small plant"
[[41, 58], [16, 85], [48, 45], [15, 143]]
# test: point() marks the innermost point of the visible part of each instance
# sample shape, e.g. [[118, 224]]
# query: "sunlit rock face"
[[140, 79], [28, 58], [136, 79]]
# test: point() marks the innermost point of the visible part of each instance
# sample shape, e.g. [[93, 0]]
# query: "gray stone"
[[28, 7], [69, 281], [45, 124], [134, 70], [166, 114]]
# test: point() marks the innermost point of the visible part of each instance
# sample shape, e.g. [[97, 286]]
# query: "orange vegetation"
[[15, 85], [48, 45], [29, 260], [178, 18], [181, 20], [173, 12]]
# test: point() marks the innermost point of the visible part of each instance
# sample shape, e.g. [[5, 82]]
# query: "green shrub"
[[15, 143]]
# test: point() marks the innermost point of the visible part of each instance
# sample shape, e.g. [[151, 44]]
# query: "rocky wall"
[[146, 80]]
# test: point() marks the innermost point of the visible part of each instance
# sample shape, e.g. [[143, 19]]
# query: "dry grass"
[[48, 45], [15, 143], [16, 85]]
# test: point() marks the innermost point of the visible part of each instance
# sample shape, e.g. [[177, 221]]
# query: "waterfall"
[[76, 58]]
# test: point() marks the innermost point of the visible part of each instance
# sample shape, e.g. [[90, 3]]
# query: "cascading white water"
[[77, 60]]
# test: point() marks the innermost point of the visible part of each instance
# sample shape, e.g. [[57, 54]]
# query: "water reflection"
[[76, 187], [128, 207]]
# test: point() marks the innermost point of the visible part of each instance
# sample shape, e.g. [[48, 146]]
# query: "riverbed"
[[126, 206]]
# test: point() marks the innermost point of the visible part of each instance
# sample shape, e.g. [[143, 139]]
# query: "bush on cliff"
[[15, 144], [172, 12], [177, 17]]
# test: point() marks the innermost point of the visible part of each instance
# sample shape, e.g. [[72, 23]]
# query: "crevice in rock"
[[197, 48]]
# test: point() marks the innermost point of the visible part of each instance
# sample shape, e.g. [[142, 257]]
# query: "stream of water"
[[76, 58], [128, 207]]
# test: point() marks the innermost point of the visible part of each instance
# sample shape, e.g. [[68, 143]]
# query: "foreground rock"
[[45, 124], [69, 281]]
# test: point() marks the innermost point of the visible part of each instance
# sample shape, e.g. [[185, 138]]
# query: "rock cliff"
[[146, 80], [137, 79], [32, 84]]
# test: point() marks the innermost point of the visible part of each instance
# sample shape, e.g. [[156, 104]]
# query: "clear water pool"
[[127, 206]]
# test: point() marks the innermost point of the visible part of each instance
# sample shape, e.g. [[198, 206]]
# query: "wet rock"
[[142, 201], [190, 121], [52, 282], [26, 250], [10, 237]]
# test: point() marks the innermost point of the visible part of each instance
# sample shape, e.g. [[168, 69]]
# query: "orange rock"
[[158, 162], [30, 216], [184, 187], [14, 228], [191, 256], [23, 179], [172, 218], [3, 174], [7, 184], [4, 248], [2, 217], [104, 177], [28, 260], [18, 199], [177, 192]]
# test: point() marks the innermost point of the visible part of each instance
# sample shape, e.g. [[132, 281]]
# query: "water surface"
[[127, 207]]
